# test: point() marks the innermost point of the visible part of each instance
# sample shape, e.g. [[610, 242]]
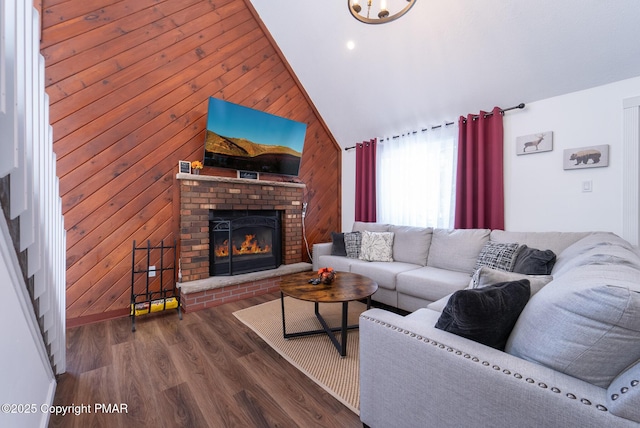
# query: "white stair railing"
[[27, 157]]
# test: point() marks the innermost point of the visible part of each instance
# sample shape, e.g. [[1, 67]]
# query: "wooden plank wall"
[[128, 82]]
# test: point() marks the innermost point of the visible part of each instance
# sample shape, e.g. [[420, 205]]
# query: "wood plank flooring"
[[208, 370]]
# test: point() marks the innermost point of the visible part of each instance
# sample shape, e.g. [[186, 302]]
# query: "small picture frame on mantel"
[[249, 175], [184, 167]]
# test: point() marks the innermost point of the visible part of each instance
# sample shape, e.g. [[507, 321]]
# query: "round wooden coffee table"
[[345, 288]]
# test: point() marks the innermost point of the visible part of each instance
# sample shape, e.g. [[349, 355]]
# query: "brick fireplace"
[[200, 195]]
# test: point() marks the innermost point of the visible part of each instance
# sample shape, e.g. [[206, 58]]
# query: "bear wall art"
[[586, 157]]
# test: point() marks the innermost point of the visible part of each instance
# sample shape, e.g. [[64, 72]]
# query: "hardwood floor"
[[208, 370]]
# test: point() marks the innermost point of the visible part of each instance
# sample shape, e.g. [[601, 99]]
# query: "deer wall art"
[[534, 143]]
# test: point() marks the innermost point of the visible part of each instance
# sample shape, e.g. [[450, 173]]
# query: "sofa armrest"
[[321, 249], [412, 374], [623, 394]]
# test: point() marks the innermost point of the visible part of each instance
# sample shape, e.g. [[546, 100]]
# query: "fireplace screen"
[[243, 241]]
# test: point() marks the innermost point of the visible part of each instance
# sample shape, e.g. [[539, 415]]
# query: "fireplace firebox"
[[242, 241]]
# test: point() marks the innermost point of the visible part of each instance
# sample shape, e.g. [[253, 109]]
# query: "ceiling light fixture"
[[383, 15]]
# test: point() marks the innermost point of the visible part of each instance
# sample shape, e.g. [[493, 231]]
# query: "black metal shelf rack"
[[161, 293]]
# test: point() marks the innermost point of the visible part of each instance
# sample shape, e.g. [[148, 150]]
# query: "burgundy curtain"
[[480, 178], [366, 181]]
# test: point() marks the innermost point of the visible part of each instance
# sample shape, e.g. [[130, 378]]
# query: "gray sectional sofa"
[[572, 359], [429, 264]]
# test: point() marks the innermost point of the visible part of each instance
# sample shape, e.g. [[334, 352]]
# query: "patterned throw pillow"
[[352, 242], [498, 255], [376, 246]]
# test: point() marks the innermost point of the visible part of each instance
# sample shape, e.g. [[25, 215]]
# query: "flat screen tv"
[[246, 139]]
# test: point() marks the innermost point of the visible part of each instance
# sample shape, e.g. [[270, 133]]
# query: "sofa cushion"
[[439, 304], [338, 263], [352, 242], [486, 276], [585, 323], [385, 274], [601, 247], [532, 261], [486, 315], [554, 241], [498, 255], [360, 226], [431, 283], [456, 249], [376, 246], [337, 244], [411, 244]]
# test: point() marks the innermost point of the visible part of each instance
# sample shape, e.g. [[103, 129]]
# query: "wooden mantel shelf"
[[194, 177]]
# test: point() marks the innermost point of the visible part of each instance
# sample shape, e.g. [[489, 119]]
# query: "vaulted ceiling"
[[449, 57]]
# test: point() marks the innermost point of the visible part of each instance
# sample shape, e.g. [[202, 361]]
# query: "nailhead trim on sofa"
[[495, 367], [625, 389]]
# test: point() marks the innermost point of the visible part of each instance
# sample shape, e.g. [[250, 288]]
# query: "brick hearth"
[[213, 291], [198, 195]]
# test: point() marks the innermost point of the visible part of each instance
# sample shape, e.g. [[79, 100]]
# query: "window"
[[416, 176]]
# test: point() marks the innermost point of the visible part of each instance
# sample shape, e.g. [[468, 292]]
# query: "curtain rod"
[[519, 106]]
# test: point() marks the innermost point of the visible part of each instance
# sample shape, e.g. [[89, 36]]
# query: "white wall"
[[25, 371], [348, 189], [539, 194]]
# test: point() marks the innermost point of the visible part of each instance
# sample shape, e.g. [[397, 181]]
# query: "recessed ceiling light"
[[351, 45]]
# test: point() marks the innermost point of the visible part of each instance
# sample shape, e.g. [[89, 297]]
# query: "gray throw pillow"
[[487, 276], [531, 261], [486, 315], [337, 244]]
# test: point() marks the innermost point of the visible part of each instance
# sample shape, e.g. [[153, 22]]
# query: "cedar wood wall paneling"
[[128, 83]]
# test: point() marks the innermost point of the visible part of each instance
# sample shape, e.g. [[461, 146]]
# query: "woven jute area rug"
[[314, 355]]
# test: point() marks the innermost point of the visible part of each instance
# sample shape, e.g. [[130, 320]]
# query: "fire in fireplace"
[[242, 241], [250, 245]]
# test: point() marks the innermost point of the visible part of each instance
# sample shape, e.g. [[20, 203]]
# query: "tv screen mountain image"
[[243, 138]]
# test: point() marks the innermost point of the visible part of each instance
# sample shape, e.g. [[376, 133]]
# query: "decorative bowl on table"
[[326, 275]]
